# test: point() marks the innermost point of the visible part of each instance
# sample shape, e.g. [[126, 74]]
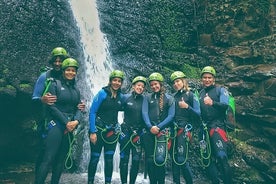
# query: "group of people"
[[157, 122]]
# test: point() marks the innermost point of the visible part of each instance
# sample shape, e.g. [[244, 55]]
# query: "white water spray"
[[97, 66]]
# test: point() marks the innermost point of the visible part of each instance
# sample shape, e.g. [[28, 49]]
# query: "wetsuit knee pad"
[[95, 157]]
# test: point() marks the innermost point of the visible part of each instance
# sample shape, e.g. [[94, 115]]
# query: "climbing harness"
[[161, 147], [205, 147], [182, 139], [110, 134], [134, 139]]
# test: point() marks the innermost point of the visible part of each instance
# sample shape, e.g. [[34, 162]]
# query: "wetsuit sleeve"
[[79, 113], [196, 107], [39, 87], [97, 101], [170, 116], [223, 100], [145, 112], [55, 112]]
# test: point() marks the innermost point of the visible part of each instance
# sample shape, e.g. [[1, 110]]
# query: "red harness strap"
[[220, 131]]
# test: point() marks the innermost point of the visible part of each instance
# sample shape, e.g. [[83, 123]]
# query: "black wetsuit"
[[182, 119], [103, 116], [153, 115], [131, 136], [56, 144], [214, 117]]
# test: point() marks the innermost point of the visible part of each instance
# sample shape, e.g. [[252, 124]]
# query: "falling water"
[[96, 68]]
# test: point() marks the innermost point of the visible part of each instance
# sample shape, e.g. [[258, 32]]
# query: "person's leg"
[[59, 162], [124, 159], [187, 173], [212, 173], [109, 150], [136, 156], [52, 144], [176, 173], [160, 172], [148, 138], [94, 158], [225, 168]]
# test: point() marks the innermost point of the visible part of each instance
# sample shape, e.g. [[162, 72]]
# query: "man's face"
[[57, 63], [207, 79]]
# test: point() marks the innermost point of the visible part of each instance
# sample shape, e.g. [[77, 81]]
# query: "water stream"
[[96, 68]]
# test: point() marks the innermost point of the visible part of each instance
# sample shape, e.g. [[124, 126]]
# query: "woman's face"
[[116, 83], [207, 79], [178, 84], [70, 73], [155, 86], [138, 87]]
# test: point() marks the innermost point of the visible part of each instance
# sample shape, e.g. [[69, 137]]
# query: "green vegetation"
[[25, 86], [191, 72]]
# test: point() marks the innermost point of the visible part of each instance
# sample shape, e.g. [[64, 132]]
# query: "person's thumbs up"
[[208, 100], [183, 104]]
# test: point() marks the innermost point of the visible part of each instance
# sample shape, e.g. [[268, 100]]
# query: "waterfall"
[[93, 75], [96, 66]]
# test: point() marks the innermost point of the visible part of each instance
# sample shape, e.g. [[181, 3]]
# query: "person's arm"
[[54, 111], [223, 100], [39, 88], [97, 101], [171, 114], [196, 107], [145, 112]]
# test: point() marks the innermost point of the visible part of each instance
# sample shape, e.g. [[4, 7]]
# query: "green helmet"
[[69, 62], [177, 75], [156, 77], [117, 73], [139, 78], [59, 51], [208, 69]]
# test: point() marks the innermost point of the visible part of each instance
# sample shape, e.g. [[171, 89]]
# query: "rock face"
[[29, 31], [238, 38]]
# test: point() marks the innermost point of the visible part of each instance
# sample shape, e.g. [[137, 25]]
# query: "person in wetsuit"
[[132, 131], [213, 104], [103, 125], [158, 113], [58, 54], [62, 118], [186, 106]]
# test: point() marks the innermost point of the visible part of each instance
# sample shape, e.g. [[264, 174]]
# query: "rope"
[[134, 133], [69, 160], [103, 137], [205, 147], [188, 128], [166, 141]]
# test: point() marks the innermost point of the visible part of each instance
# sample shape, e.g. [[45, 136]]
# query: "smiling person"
[[103, 125], [158, 113], [62, 118], [58, 54], [186, 106], [213, 104], [132, 130]]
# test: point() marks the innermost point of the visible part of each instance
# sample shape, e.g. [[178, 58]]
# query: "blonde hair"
[[185, 85]]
